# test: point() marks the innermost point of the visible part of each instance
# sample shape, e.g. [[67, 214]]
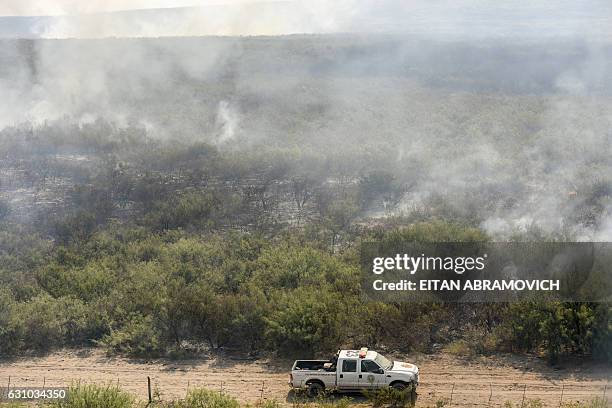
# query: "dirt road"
[[479, 383]]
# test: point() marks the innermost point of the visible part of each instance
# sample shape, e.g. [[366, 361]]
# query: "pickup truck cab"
[[353, 370]]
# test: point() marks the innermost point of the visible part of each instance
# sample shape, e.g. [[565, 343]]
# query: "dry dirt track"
[[507, 377]]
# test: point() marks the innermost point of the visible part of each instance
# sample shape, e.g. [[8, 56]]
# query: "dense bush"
[[558, 328], [10, 331], [144, 294]]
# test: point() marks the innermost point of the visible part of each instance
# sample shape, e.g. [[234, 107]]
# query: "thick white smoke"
[[227, 122], [296, 90]]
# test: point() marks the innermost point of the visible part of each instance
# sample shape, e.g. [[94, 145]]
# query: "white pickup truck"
[[353, 370]]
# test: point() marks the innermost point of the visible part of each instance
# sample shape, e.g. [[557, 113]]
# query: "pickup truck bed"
[[314, 365]]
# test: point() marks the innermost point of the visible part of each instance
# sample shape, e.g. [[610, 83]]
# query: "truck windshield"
[[383, 362]]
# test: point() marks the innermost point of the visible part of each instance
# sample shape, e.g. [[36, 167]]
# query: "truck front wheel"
[[402, 386], [399, 385], [314, 389]]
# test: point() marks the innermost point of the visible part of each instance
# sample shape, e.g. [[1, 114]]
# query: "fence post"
[[149, 389], [562, 390], [524, 391], [263, 384], [451, 398]]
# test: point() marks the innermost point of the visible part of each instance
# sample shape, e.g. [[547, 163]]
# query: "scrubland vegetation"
[[228, 211], [203, 264]]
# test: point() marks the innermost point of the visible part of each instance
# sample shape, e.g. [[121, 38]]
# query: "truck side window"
[[349, 366], [368, 366]]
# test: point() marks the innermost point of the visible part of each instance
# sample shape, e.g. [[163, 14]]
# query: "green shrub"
[[441, 403], [11, 328], [138, 337], [389, 396], [269, 404], [42, 321], [203, 398], [307, 320], [95, 396], [534, 403], [594, 403], [324, 402]]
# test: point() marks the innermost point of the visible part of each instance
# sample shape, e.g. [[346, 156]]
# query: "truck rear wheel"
[[314, 389]]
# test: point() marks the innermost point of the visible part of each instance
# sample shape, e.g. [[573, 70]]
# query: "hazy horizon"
[[440, 19]]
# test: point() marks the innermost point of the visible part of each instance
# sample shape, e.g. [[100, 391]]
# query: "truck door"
[[371, 375], [347, 375]]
